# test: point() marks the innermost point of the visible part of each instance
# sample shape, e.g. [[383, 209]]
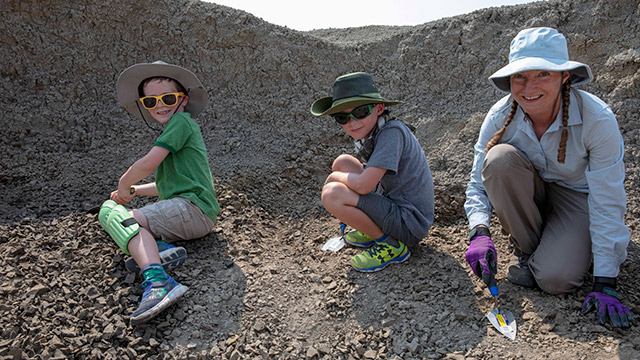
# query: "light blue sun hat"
[[540, 48]]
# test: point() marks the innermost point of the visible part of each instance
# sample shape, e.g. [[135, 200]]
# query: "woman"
[[549, 161]]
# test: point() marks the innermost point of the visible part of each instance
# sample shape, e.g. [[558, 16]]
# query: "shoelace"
[[523, 262], [376, 249]]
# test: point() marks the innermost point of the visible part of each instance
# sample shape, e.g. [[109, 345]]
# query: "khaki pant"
[[176, 219], [546, 221]]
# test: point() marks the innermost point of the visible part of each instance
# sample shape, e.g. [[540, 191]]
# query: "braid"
[[498, 135], [562, 148]]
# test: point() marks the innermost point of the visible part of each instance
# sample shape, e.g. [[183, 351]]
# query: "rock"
[[370, 354], [259, 325], [312, 352]]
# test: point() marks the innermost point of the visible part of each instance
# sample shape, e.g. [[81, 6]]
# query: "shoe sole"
[[397, 260], [171, 297], [169, 259]]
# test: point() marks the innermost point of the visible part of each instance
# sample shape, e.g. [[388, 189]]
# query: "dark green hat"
[[349, 91]]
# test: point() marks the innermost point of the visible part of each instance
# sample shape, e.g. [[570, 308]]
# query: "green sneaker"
[[356, 238], [379, 256]]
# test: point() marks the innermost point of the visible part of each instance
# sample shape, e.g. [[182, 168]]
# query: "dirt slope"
[[65, 141]]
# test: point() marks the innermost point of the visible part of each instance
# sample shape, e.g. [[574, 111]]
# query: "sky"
[[309, 15]]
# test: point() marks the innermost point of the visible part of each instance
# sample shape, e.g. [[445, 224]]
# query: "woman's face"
[[536, 91]]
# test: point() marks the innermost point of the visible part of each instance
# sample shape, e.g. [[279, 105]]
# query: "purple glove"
[[605, 304], [482, 256]]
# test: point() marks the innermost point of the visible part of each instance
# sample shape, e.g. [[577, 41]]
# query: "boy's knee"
[[140, 218], [330, 192], [118, 223], [345, 162], [335, 195]]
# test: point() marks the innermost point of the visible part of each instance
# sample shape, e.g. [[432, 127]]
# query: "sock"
[[388, 240], [154, 272]]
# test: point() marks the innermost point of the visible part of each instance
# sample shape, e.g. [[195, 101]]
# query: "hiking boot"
[[379, 256], [359, 239], [171, 256], [518, 272], [157, 296]]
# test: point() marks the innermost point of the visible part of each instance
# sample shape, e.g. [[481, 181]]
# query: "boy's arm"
[[142, 168], [362, 183], [148, 189]]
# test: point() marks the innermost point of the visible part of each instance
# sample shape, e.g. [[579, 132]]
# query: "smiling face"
[[359, 129], [537, 91], [156, 87]]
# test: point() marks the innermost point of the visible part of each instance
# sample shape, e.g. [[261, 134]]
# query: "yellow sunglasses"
[[168, 99]]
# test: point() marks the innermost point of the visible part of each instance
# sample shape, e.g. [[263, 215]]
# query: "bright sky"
[[309, 15]]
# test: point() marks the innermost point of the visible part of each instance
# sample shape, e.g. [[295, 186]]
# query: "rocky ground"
[[260, 286]]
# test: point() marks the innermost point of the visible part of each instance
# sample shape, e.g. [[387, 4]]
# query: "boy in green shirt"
[[187, 206]]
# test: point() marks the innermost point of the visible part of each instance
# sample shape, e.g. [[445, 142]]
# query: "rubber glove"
[[481, 255], [604, 299]]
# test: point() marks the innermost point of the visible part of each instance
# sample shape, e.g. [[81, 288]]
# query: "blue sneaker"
[[171, 256], [157, 296]]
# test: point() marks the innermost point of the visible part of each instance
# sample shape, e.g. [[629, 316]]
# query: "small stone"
[[259, 326], [312, 352], [370, 354]]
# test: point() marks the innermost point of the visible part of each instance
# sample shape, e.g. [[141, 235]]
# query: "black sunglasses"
[[358, 113]]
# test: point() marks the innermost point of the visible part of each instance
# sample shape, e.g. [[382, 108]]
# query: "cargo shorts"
[[177, 219]]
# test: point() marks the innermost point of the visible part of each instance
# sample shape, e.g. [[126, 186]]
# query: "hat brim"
[[580, 73], [130, 79], [326, 105]]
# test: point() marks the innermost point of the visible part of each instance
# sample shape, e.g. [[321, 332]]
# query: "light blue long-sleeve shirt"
[[593, 165]]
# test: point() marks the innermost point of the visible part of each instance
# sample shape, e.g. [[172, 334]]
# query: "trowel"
[[336, 243], [501, 319]]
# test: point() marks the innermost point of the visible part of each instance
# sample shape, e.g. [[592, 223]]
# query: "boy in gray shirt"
[[386, 193]]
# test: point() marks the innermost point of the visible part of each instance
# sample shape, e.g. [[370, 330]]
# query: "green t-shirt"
[[185, 171]]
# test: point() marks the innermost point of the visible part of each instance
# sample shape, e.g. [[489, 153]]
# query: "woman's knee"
[[558, 282], [502, 156]]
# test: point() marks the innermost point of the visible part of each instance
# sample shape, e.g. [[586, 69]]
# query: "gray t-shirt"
[[408, 180]]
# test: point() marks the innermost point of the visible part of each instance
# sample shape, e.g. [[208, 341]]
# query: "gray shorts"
[[176, 219], [388, 215]]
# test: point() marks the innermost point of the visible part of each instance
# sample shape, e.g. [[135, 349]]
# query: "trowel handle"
[[343, 226], [490, 279]]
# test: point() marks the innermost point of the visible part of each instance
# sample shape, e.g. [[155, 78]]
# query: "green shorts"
[[177, 219]]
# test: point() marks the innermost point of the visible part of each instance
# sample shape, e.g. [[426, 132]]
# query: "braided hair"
[[498, 135], [564, 136], [562, 148]]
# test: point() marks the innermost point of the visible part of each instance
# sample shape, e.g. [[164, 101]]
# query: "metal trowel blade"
[[334, 244], [504, 321]]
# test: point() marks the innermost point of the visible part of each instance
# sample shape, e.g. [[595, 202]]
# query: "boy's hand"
[[121, 196]]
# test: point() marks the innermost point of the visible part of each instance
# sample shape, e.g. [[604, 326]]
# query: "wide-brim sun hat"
[[540, 48], [131, 78], [350, 91]]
